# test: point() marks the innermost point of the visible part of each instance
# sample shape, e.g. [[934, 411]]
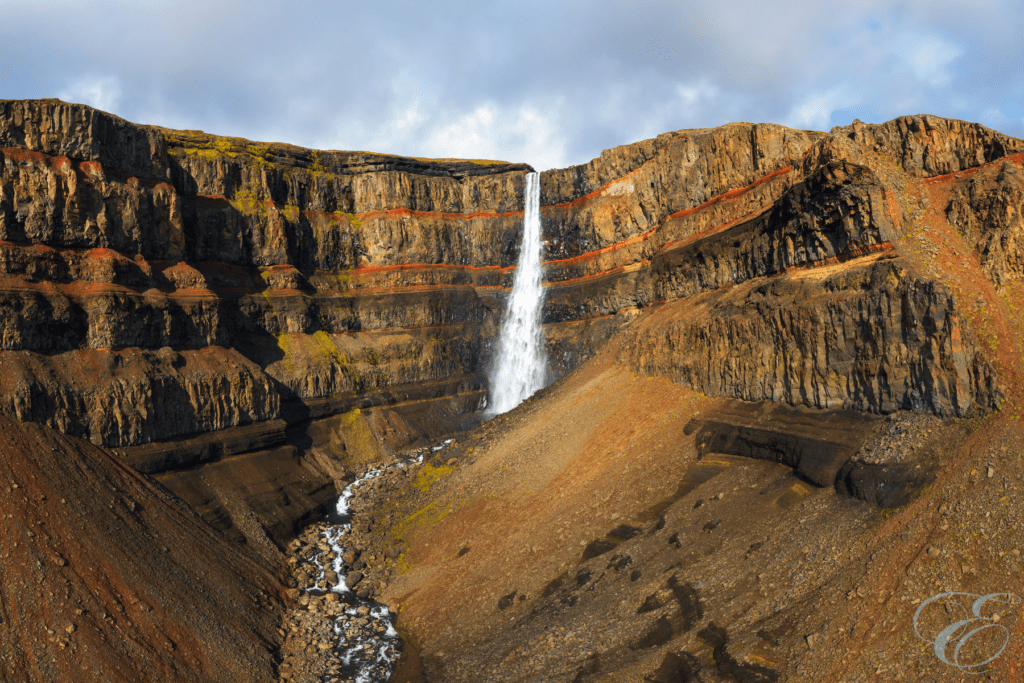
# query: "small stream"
[[368, 644]]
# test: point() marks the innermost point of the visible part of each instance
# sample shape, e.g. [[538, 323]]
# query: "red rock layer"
[[350, 274]]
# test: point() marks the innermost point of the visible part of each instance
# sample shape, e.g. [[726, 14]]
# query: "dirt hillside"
[[108, 577]]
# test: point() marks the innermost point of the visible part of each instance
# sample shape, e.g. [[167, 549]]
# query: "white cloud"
[[102, 92], [815, 111], [692, 94], [993, 116], [930, 58], [524, 134], [688, 109], [409, 92], [410, 118]]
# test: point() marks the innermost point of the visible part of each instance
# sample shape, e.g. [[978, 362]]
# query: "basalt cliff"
[[239, 327]]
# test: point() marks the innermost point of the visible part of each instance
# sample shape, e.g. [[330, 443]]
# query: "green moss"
[[403, 565], [246, 201], [291, 213], [327, 349], [478, 162], [259, 154], [266, 297], [342, 283], [318, 168], [446, 160], [419, 521], [208, 154], [340, 215], [283, 342], [197, 143], [353, 440], [428, 476]]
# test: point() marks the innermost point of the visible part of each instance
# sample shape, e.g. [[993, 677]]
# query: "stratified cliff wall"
[[159, 284], [777, 256]]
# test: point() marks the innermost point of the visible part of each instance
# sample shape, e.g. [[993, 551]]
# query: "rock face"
[[986, 210], [158, 284], [188, 298], [117, 236], [868, 336], [780, 265], [116, 397]]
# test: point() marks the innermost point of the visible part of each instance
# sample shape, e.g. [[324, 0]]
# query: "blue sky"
[[550, 83]]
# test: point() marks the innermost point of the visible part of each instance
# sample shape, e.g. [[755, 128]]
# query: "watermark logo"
[[973, 641]]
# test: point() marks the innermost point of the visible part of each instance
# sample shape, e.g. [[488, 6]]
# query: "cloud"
[[102, 92], [521, 134], [552, 83], [993, 117], [815, 111], [930, 59]]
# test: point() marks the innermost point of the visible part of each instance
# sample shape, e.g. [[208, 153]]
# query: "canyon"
[[784, 401]]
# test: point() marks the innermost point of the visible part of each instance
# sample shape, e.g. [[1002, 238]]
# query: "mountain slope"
[[106, 576]]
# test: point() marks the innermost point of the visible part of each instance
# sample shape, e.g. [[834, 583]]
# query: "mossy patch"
[[352, 219], [446, 160], [284, 343], [318, 169], [353, 441], [246, 201], [429, 474], [327, 348], [341, 281], [259, 152]]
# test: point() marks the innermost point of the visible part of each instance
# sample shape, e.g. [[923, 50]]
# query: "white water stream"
[[519, 371], [520, 367], [366, 660]]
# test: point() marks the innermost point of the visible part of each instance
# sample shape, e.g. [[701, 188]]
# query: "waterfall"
[[520, 367]]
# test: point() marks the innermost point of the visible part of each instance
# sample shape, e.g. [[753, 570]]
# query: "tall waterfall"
[[521, 363]]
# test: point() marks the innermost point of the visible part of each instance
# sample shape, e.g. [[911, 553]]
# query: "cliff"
[[763, 213], [204, 283], [118, 236], [249, 323], [637, 521]]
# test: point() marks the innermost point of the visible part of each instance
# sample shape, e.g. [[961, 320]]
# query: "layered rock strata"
[[987, 211], [815, 317], [251, 322], [869, 336], [337, 273], [189, 299]]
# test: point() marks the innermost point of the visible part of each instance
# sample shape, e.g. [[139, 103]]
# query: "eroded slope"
[[106, 576]]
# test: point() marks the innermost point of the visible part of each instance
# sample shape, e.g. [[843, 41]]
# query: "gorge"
[[782, 406]]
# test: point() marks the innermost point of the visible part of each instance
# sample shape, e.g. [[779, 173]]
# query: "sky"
[[550, 83]]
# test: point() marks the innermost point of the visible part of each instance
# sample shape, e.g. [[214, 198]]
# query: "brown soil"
[[108, 577], [794, 582], [809, 584]]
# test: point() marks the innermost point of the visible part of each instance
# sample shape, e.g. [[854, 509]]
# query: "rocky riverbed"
[[335, 630]]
